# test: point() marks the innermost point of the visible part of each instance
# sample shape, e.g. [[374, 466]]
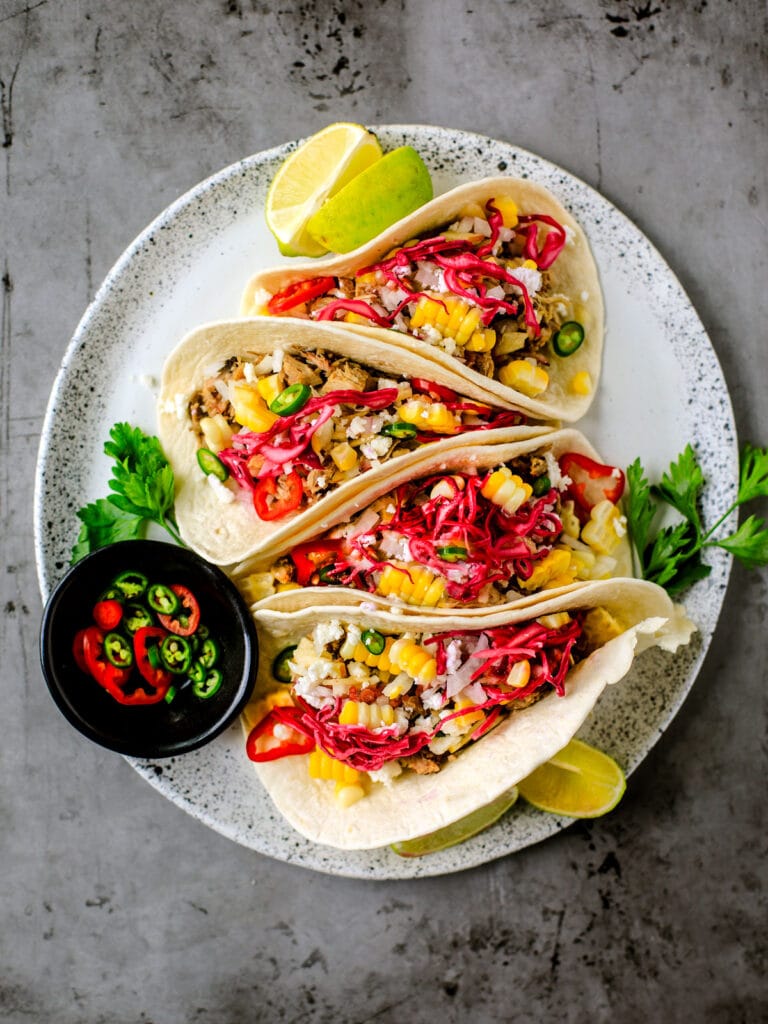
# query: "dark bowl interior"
[[155, 730]]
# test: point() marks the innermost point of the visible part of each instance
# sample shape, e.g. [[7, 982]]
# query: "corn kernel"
[[554, 621], [600, 626], [530, 265], [523, 376], [269, 388], [482, 341], [550, 571], [605, 528], [347, 795], [216, 431], [519, 675], [282, 587], [507, 490], [581, 383], [508, 210]]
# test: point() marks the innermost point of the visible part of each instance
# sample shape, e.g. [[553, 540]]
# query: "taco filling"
[[471, 538], [288, 428], [480, 290], [367, 705]]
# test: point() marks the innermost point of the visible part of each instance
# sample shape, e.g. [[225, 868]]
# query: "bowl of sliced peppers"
[[147, 649]]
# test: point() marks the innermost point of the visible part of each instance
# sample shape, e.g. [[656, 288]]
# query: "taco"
[[493, 279], [469, 528], [368, 728], [268, 425]]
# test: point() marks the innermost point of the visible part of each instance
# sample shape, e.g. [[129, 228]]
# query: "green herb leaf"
[[102, 524], [749, 544], [640, 507], [753, 478], [672, 548], [681, 486]]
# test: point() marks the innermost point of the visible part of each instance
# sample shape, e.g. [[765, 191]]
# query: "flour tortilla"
[[481, 457], [573, 275], [415, 805], [228, 533]]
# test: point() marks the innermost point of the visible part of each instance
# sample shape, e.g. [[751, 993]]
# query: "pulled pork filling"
[[480, 290], [290, 427]]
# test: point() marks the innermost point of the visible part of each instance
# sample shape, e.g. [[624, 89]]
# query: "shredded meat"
[[422, 764], [213, 402], [482, 362], [297, 372], [345, 376], [319, 360], [311, 486]]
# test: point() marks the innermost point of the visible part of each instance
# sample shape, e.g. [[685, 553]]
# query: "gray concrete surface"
[[116, 906]]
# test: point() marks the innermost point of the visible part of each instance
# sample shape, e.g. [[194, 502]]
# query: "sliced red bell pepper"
[[145, 641], [309, 557], [271, 505], [429, 387], [276, 736], [107, 614], [298, 293], [108, 676], [185, 620], [591, 482], [78, 650]]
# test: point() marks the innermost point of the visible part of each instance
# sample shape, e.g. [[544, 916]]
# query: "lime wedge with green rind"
[[458, 831], [578, 782]]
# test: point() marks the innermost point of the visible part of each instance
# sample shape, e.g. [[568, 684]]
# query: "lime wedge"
[[579, 782], [321, 166], [389, 189], [459, 830]]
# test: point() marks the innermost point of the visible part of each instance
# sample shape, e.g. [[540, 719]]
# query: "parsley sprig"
[[671, 556], [143, 491]]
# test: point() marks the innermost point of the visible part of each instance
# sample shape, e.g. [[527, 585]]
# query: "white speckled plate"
[[661, 388]]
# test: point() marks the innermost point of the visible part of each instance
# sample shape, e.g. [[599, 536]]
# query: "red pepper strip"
[[310, 556], [552, 245], [298, 293], [269, 505], [185, 620], [436, 390], [107, 614], [353, 306], [78, 650], [262, 743], [159, 678], [591, 482], [108, 676]]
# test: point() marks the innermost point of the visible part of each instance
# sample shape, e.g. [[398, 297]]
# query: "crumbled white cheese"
[[376, 447], [249, 372], [529, 277], [556, 477], [325, 633], [431, 334], [388, 771], [453, 657]]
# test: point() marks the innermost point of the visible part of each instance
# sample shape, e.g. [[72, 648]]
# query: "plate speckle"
[[661, 388]]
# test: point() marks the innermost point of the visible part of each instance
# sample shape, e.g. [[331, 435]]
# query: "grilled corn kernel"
[[554, 621], [408, 656], [415, 585], [519, 675], [508, 210], [344, 456], [250, 408], [355, 318], [523, 376], [216, 431], [347, 795], [461, 723], [433, 416], [370, 716], [605, 528], [482, 341], [581, 383], [570, 521], [380, 661], [269, 388], [554, 570], [530, 265], [451, 316], [507, 490], [323, 766], [600, 626]]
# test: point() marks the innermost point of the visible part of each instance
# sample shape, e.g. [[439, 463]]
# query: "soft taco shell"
[[481, 457], [228, 533], [573, 275], [415, 805]]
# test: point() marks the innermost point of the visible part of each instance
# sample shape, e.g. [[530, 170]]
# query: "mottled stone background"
[[116, 906]]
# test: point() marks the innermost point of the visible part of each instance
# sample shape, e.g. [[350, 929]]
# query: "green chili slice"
[[451, 553], [568, 338], [542, 485], [131, 584], [170, 693], [280, 667], [162, 599], [197, 672], [209, 652], [176, 654], [136, 617], [399, 430], [209, 685], [117, 650], [373, 641], [291, 400], [211, 464], [112, 593]]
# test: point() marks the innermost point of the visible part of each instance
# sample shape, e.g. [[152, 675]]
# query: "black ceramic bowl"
[[154, 730]]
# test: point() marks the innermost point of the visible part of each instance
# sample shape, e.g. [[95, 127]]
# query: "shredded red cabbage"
[[552, 245]]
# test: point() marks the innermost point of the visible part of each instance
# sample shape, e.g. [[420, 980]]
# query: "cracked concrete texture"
[[116, 906]]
